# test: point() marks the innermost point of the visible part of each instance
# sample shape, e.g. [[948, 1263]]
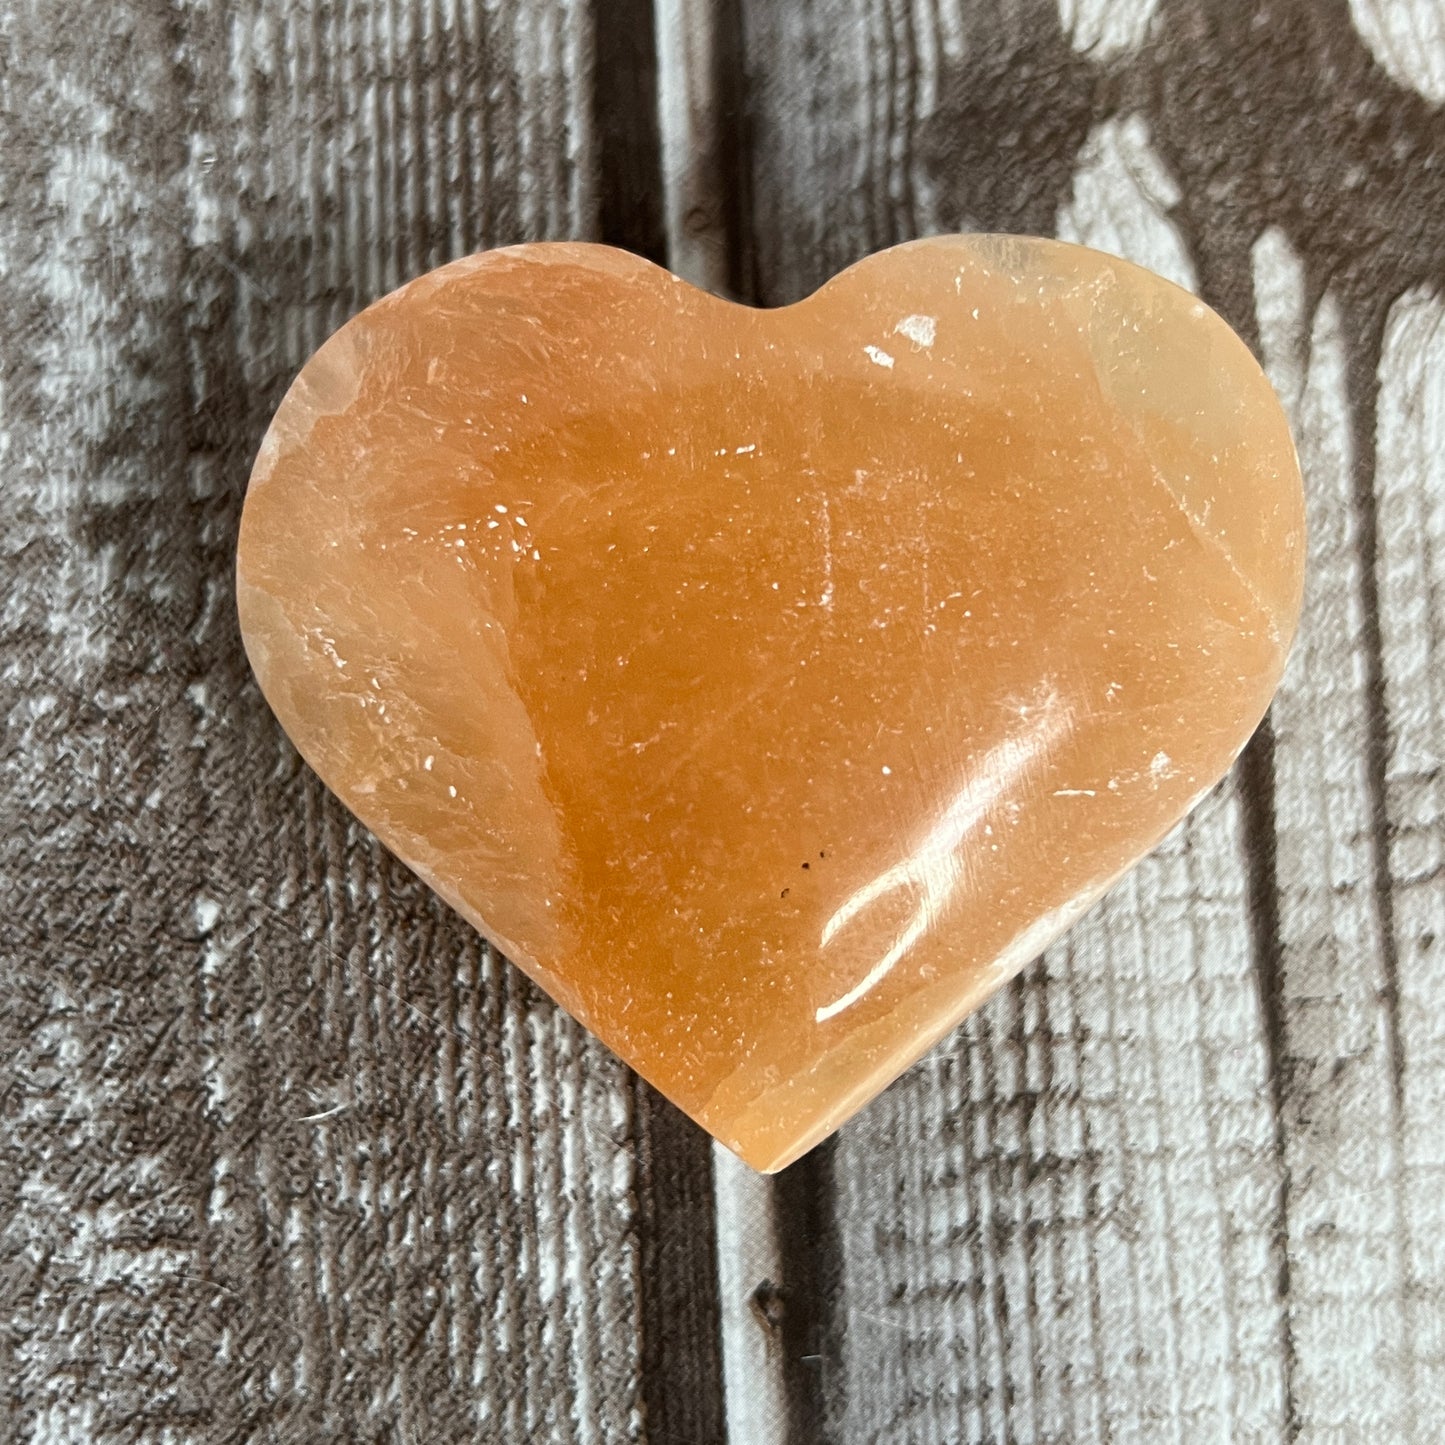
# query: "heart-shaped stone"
[[771, 685]]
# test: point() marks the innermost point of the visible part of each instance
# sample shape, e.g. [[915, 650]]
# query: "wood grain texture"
[[1075, 1243], [1347, 1220], [1407, 37], [1409, 493], [1180, 1181], [691, 100], [288, 1153], [752, 1295], [1059, 1225], [628, 140]]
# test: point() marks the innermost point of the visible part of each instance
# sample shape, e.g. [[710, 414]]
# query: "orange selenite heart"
[[771, 685]]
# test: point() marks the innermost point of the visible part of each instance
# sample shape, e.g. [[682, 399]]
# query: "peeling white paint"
[[1407, 37], [1106, 28]]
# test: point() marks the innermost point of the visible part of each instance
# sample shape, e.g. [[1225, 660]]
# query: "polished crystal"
[[772, 685]]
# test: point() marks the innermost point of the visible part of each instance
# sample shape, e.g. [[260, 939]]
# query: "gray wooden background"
[[288, 1155]]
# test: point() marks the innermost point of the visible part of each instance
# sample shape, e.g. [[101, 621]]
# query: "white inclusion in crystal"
[[879, 357], [1160, 764], [825, 598], [921, 330]]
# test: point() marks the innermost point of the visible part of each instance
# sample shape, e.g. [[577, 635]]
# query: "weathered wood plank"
[[1409, 491], [1340, 835], [683, 1360], [629, 134], [286, 1152], [753, 1290], [1347, 1220], [1057, 1226], [1061, 1225], [691, 49], [1366, 1307]]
